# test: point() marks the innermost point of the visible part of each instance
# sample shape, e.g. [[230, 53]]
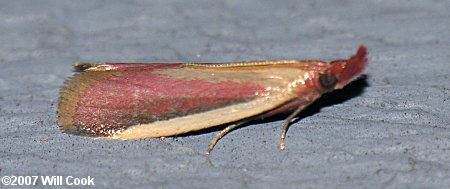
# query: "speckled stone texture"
[[389, 130]]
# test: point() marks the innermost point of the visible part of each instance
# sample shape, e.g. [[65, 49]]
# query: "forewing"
[[107, 102]]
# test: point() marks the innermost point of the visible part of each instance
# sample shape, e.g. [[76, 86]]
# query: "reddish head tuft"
[[347, 70], [355, 65]]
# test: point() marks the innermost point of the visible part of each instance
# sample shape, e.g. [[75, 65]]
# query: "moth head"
[[341, 72]]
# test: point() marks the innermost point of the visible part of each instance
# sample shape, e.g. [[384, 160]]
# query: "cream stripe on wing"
[[204, 120]]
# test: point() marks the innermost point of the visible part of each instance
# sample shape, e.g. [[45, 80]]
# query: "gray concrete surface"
[[390, 131]]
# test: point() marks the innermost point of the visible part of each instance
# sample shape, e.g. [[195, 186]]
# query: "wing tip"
[[69, 95], [67, 104]]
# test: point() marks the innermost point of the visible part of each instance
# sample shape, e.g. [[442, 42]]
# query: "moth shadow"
[[350, 91]]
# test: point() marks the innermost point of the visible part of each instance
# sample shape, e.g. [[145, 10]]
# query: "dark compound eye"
[[328, 81]]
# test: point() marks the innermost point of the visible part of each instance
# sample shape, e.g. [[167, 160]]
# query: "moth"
[[136, 100]]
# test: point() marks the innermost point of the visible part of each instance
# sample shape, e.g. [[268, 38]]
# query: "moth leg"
[[287, 123], [223, 133]]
